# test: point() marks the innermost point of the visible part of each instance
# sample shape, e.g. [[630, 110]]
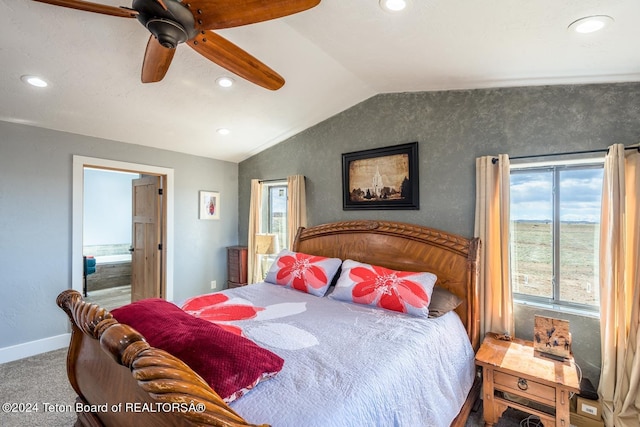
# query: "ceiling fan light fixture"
[[223, 131], [590, 24], [225, 81], [394, 5], [171, 25], [34, 81], [169, 34], [172, 22]]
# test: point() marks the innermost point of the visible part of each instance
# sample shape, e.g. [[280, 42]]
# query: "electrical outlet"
[[213, 284]]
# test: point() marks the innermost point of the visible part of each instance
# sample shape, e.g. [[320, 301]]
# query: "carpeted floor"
[[511, 418], [40, 383]]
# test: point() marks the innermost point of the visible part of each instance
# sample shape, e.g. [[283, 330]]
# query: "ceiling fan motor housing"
[[172, 26]]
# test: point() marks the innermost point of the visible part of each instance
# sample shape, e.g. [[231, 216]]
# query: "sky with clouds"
[[580, 194]]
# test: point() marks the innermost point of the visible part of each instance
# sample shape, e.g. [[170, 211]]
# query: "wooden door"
[[147, 236]]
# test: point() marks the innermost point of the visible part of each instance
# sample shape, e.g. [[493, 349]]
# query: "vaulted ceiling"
[[332, 57]]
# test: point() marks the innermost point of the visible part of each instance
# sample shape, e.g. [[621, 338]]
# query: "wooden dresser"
[[513, 376], [236, 266]]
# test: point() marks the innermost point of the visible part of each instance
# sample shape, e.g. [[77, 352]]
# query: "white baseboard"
[[31, 348]]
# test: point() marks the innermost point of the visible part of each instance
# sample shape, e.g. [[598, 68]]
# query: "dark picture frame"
[[381, 178]]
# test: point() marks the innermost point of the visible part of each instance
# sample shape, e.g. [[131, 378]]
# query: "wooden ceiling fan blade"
[[228, 55], [93, 7], [162, 4], [218, 14], [157, 59]]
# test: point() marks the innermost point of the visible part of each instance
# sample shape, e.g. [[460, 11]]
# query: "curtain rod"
[[272, 180], [602, 150]]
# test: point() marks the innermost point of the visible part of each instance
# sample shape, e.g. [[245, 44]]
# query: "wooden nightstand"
[[236, 266], [513, 376]]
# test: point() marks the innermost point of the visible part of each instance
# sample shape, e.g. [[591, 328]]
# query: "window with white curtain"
[[274, 211], [555, 227]]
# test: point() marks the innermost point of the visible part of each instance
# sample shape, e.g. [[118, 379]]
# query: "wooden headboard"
[[407, 247], [111, 364]]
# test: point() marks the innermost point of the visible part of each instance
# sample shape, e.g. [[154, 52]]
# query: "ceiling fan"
[[172, 22]]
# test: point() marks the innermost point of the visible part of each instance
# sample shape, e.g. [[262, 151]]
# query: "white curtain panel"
[[619, 387], [255, 213], [296, 206], [492, 227]]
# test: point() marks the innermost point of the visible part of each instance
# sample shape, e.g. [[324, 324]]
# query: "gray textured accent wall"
[[36, 223], [452, 128]]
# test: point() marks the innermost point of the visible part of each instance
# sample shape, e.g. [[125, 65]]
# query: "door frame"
[[77, 214]]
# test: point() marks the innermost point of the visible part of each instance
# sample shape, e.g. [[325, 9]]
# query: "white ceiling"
[[332, 56]]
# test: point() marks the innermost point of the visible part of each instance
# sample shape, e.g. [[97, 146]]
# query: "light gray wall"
[[35, 223], [452, 128]]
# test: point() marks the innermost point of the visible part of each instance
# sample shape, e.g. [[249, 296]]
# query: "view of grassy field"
[[532, 255]]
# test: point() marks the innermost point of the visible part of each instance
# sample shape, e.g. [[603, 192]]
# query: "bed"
[[110, 365]]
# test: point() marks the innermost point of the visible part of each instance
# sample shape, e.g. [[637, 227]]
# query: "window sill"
[[559, 308]]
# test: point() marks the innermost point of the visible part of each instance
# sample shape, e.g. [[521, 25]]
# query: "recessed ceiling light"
[[34, 81], [224, 81], [590, 24], [393, 5], [223, 131]]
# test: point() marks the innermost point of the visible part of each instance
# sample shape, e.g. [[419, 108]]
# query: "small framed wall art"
[[209, 205]]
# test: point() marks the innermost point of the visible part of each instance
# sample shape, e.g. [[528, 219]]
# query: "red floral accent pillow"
[[403, 291], [307, 273], [229, 363]]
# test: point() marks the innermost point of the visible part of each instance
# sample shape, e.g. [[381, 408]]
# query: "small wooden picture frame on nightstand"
[[551, 338]]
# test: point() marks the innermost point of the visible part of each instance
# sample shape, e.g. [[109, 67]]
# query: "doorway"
[[106, 236], [167, 174]]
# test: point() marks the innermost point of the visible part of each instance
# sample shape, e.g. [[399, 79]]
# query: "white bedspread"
[[351, 365]]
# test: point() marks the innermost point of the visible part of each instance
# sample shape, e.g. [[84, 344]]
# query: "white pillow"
[[404, 291]]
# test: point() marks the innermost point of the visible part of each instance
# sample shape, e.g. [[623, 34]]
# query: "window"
[[274, 211], [555, 227]]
